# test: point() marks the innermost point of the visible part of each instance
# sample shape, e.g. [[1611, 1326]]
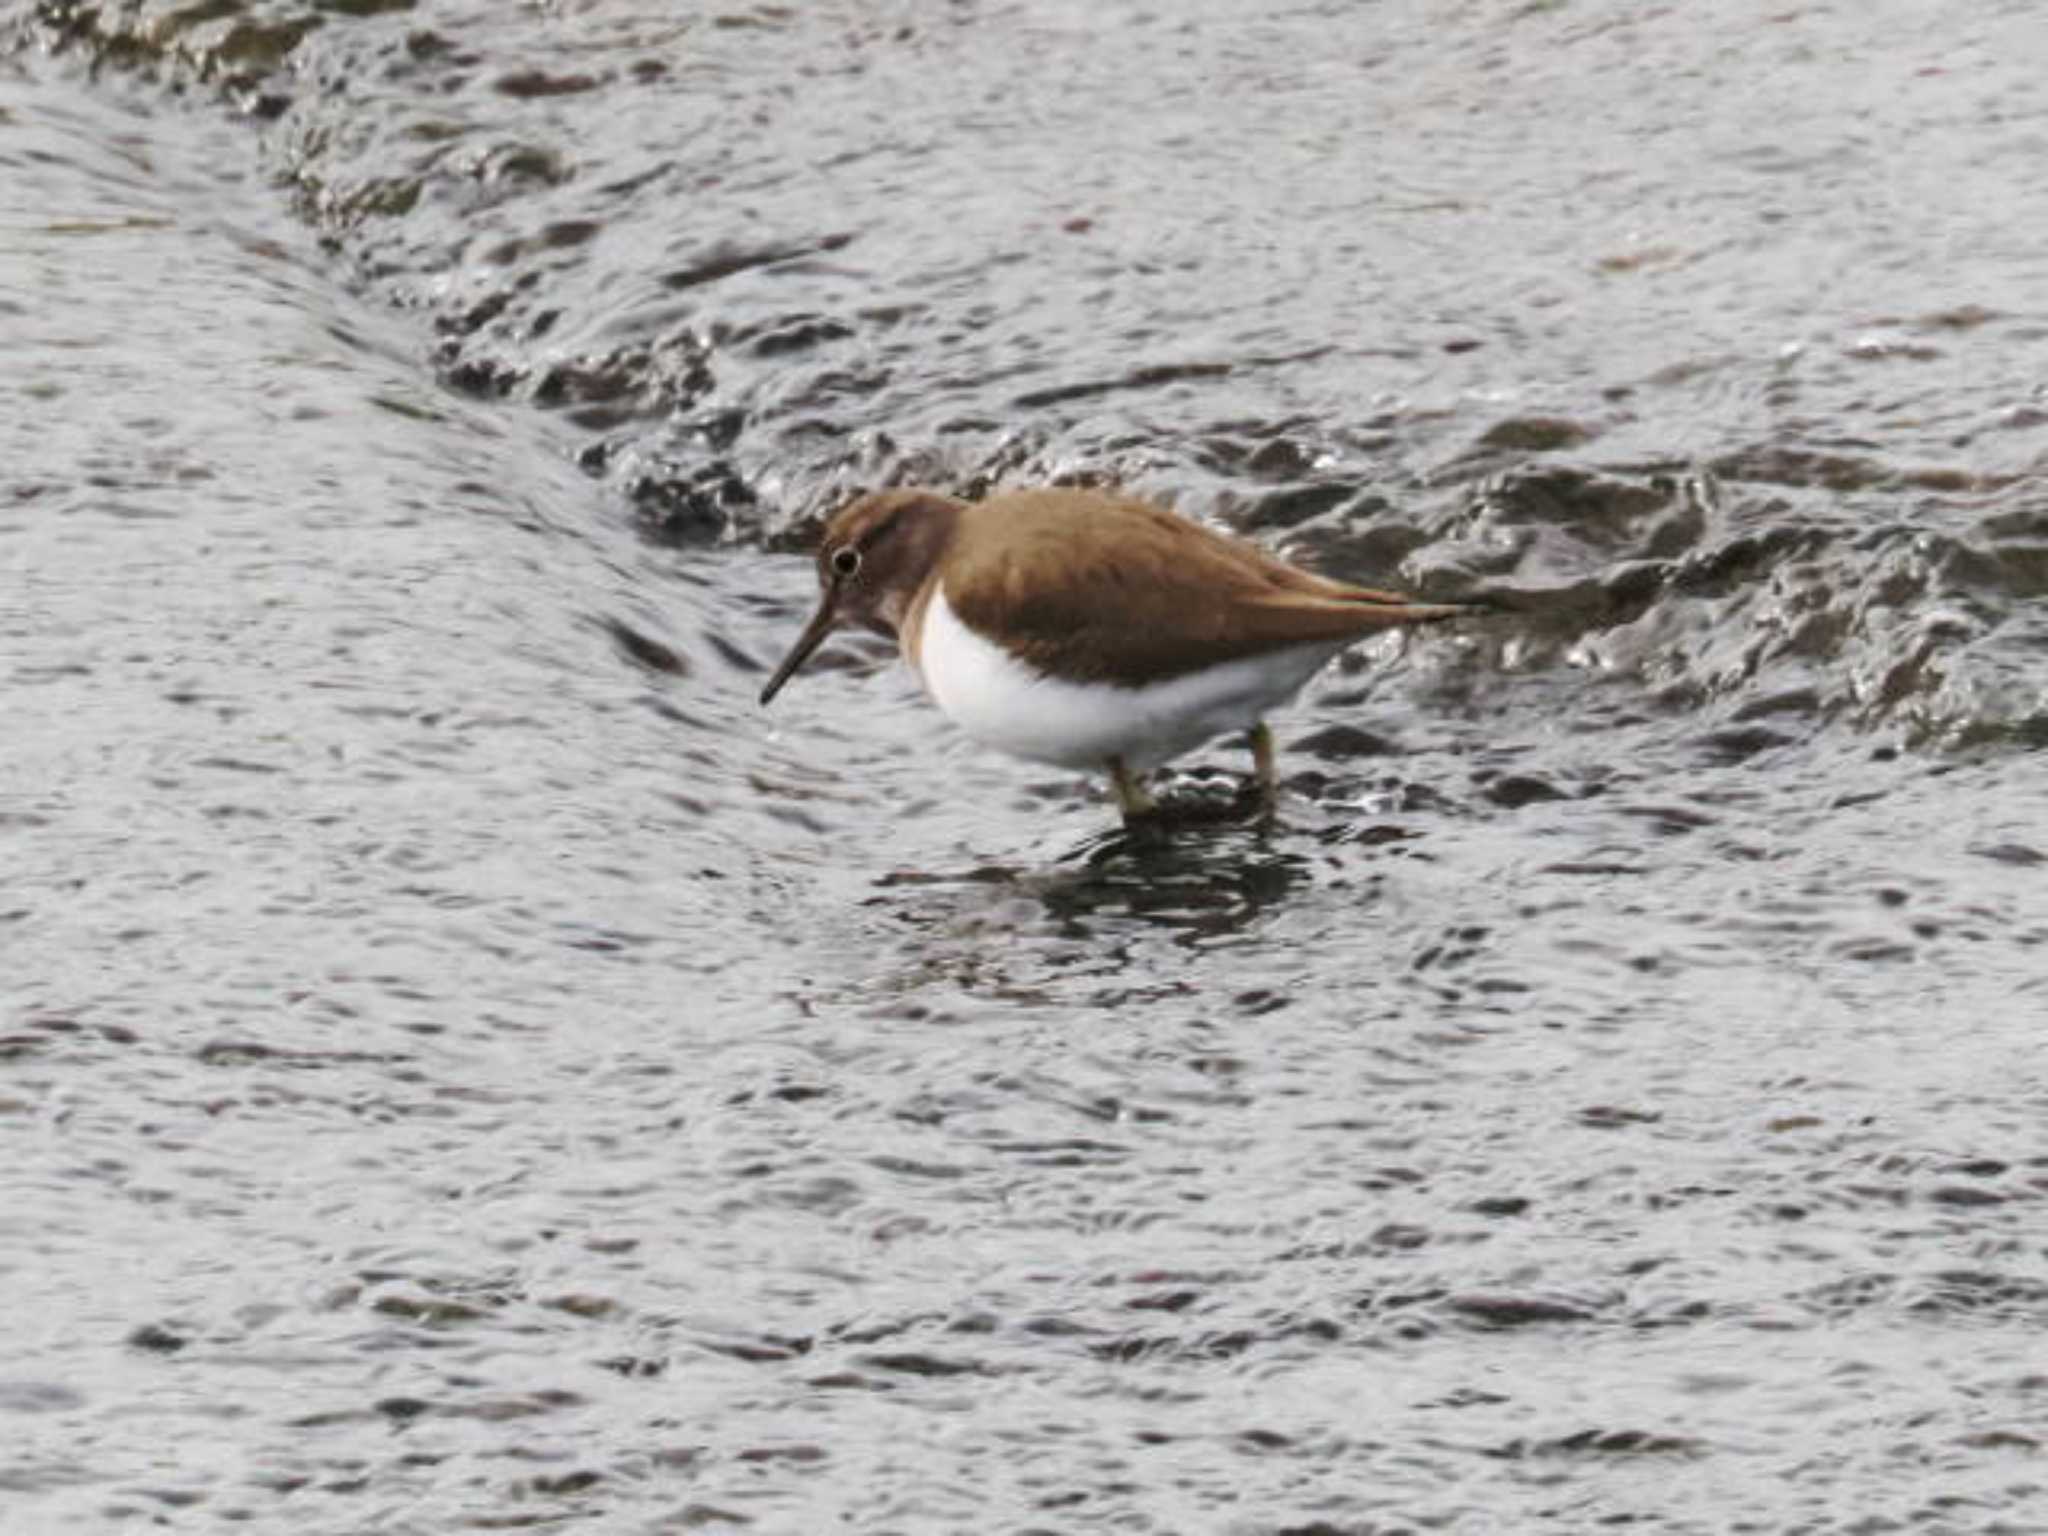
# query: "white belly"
[[1000, 701]]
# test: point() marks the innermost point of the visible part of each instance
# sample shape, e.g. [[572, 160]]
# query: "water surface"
[[464, 1066]]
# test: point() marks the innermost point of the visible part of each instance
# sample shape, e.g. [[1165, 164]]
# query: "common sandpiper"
[[1085, 629]]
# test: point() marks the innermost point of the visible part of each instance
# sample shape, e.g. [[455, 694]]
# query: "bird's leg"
[[1264, 768], [1132, 798]]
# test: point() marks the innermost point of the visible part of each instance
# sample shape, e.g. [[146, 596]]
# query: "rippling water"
[[463, 1066]]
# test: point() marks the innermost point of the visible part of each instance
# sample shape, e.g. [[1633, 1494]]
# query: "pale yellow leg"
[[1264, 767], [1132, 798]]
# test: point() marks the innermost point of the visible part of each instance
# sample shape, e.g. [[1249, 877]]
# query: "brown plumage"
[[1095, 590], [1141, 594]]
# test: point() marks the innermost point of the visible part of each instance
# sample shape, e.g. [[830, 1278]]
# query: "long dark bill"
[[822, 624]]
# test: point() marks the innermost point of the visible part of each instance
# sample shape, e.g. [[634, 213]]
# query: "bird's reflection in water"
[[1204, 870], [1205, 878]]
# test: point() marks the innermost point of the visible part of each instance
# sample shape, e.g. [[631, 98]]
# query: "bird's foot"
[[1265, 770], [1132, 797]]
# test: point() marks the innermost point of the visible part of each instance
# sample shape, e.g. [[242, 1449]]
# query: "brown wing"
[[1100, 588]]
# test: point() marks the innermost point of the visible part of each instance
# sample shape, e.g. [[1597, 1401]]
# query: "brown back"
[[1099, 588]]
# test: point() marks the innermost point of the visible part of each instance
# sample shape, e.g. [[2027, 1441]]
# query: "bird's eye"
[[846, 562]]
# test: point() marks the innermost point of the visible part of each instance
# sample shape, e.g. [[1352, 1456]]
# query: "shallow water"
[[464, 1066]]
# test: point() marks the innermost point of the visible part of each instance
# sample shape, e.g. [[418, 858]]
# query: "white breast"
[[1000, 701]]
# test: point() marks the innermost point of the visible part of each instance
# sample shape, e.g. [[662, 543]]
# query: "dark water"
[[464, 1067]]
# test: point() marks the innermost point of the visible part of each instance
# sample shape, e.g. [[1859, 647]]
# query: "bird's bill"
[[823, 622]]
